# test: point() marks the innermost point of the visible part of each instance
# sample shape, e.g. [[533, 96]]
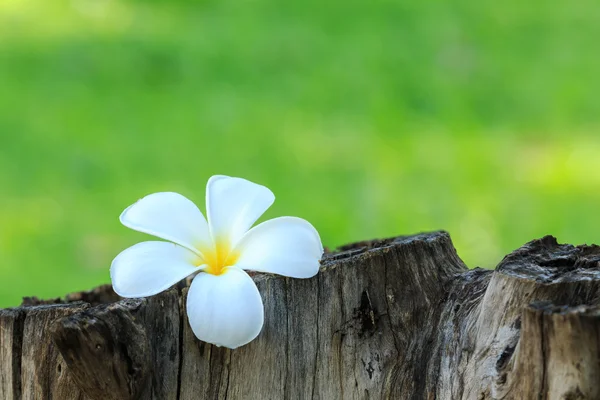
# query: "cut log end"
[[400, 318], [546, 261]]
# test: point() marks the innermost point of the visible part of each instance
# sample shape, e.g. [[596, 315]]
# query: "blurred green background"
[[369, 119]]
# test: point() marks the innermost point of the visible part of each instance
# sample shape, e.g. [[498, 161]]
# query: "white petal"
[[148, 268], [233, 205], [225, 309], [286, 246], [169, 216]]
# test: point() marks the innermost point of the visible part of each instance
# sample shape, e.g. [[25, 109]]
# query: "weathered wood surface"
[[401, 318]]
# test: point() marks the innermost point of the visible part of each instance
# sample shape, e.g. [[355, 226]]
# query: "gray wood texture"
[[400, 318]]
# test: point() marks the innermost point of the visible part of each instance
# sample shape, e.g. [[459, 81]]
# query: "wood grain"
[[401, 318]]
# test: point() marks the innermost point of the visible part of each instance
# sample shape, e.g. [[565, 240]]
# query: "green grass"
[[368, 120]]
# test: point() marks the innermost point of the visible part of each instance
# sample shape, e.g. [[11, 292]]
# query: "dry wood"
[[401, 318]]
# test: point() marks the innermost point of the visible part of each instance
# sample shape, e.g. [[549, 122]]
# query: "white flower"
[[224, 306]]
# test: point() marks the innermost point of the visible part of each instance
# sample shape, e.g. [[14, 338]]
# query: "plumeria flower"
[[223, 304]]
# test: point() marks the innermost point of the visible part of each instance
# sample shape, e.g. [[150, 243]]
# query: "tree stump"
[[401, 318]]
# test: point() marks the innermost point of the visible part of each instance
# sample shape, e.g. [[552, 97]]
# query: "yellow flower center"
[[218, 258]]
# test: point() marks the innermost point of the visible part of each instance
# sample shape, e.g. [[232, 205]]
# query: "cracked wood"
[[401, 318]]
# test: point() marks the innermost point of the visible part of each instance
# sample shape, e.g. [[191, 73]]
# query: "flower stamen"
[[218, 258]]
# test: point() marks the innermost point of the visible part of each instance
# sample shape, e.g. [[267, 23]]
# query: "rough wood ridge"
[[401, 318]]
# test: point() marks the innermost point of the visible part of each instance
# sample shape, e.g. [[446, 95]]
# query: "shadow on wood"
[[401, 318]]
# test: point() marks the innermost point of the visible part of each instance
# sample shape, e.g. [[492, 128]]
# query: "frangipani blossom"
[[223, 304]]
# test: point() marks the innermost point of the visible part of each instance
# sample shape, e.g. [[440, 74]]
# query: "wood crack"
[[290, 335], [228, 375], [387, 306], [341, 334], [318, 307], [544, 361], [182, 321]]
